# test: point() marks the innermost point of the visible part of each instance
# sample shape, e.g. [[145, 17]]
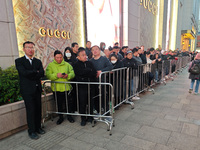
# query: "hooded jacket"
[[51, 72]]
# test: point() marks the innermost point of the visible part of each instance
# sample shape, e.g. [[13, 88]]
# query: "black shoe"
[[33, 136], [71, 120], [83, 122], [60, 120], [90, 119], [40, 131]]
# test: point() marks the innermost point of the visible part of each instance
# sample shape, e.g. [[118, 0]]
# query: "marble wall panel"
[[30, 15]]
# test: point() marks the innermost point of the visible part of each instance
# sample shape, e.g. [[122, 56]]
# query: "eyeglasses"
[[29, 48]]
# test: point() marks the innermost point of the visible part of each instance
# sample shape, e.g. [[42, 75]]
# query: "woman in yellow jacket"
[[59, 70]]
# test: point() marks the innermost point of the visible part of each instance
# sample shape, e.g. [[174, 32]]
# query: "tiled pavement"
[[166, 120]]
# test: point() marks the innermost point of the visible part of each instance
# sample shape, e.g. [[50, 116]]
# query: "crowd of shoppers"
[[86, 65]]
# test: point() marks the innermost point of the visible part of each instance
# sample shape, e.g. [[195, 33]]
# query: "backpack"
[[195, 69]]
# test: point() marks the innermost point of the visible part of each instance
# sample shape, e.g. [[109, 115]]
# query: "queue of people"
[[85, 65]]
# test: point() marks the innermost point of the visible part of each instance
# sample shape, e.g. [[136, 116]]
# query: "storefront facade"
[[55, 25]]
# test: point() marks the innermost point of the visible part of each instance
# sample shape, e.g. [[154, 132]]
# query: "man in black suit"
[[30, 71]]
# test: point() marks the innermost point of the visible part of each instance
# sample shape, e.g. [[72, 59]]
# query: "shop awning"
[[188, 34]]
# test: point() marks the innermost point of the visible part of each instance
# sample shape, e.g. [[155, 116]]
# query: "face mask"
[[68, 54], [113, 61], [104, 47]]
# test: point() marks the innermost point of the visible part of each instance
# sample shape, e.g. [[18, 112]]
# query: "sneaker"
[[195, 93], [135, 98], [190, 90], [150, 89]]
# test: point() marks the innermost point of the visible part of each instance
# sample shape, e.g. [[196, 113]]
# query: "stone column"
[[8, 38]]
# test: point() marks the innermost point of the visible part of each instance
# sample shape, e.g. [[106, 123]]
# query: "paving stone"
[[154, 114], [153, 134], [113, 145], [141, 119], [75, 144], [124, 115], [54, 136], [163, 103], [193, 115], [184, 100], [190, 107], [78, 133], [197, 122], [128, 128], [147, 101], [183, 142], [169, 117], [162, 147], [116, 136], [58, 147], [40, 144], [153, 108], [21, 147], [140, 143], [168, 124], [68, 131], [184, 119], [177, 105], [174, 112], [97, 148], [190, 129], [93, 139]]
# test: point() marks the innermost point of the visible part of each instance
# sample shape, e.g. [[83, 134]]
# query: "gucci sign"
[[148, 4], [58, 34]]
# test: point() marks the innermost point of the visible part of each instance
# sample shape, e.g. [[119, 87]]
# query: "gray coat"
[[193, 76]]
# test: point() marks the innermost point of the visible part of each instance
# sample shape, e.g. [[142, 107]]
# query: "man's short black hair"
[[57, 52], [116, 47], [80, 50], [116, 43], [147, 53], [134, 50], [73, 44], [27, 42], [123, 47], [88, 41], [151, 49], [113, 55]]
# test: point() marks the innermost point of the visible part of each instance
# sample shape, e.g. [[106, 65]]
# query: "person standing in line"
[[88, 49], [68, 55], [101, 64], [194, 77], [85, 72], [74, 52], [59, 70], [123, 51], [131, 63], [30, 72]]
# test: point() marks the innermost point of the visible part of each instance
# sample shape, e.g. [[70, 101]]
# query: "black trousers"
[[61, 102], [33, 110], [83, 100]]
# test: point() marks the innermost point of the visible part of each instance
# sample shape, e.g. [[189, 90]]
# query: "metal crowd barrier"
[[120, 86], [105, 113]]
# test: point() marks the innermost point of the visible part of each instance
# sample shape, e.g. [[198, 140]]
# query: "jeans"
[[197, 85]]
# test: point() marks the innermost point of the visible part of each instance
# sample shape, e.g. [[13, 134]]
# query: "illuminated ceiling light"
[[174, 25], [168, 24], [157, 24], [81, 22]]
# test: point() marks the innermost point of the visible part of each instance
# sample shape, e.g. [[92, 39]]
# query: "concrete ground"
[[166, 120]]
